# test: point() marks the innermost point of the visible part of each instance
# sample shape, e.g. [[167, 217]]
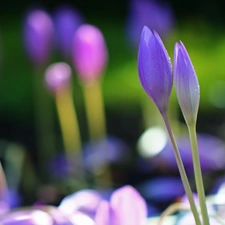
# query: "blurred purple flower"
[[86, 201], [107, 150], [156, 15], [154, 190], [126, 206], [206, 143], [155, 69], [37, 35], [45, 215], [186, 83], [66, 20], [57, 76], [89, 53]]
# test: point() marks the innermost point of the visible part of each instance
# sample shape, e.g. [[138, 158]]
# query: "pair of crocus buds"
[[156, 75]]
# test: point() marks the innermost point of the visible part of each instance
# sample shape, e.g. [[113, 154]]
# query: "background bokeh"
[[199, 24]]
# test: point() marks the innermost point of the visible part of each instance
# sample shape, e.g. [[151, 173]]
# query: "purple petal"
[[79, 218], [86, 201], [38, 33], [103, 214], [66, 20], [186, 83], [155, 69], [89, 52], [128, 207], [57, 76], [27, 217]]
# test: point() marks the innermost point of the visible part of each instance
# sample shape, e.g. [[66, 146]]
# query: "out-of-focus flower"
[[107, 150], [57, 76], [155, 69], [89, 53], [66, 20], [157, 16], [86, 201], [186, 83], [154, 190], [37, 35], [165, 159], [27, 217], [126, 206]]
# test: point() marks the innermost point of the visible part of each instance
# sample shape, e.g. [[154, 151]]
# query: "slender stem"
[[182, 170], [171, 210], [97, 127], [95, 110], [68, 121], [198, 173]]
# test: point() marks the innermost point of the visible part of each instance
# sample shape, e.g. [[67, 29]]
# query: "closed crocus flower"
[[89, 53], [38, 33], [155, 69], [57, 76], [66, 20], [126, 206], [186, 83]]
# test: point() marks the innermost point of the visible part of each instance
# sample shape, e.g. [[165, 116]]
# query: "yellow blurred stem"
[[68, 121], [95, 110], [97, 126]]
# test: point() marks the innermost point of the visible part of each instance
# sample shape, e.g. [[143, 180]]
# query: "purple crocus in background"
[[38, 34], [155, 69], [89, 53], [66, 20], [186, 83], [57, 76], [165, 160], [126, 206], [156, 15]]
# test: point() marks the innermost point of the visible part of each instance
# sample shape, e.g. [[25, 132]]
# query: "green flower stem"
[[197, 172], [182, 170]]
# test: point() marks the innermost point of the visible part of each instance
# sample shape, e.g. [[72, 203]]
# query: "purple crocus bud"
[[38, 33], [27, 217], [186, 84], [128, 207], [66, 20], [57, 76], [155, 69], [89, 53], [103, 214]]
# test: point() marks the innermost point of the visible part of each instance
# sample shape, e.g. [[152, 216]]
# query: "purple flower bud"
[[186, 83], [38, 33], [57, 76], [89, 52], [103, 214], [66, 20], [155, 69], [128, 207]]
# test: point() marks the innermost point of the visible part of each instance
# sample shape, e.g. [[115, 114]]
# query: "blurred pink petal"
[[128, 207]]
